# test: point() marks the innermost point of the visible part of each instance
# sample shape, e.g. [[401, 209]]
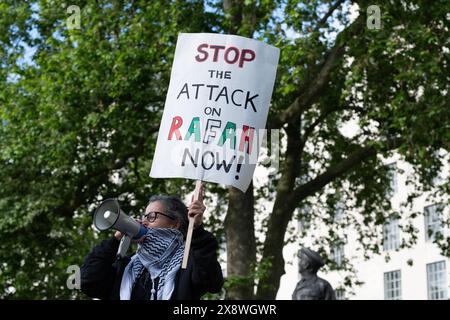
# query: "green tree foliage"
[[80, 118]]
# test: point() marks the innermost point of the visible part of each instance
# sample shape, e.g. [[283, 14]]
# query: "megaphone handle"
[[187, 246], [123, 246]]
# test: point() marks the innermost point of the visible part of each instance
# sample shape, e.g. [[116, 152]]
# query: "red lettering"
[[205, 54], [227, 55], [174, 128], [231, 54], [216, 51], [247, 136], [244, 58]]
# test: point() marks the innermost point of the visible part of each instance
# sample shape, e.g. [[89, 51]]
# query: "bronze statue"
[[311, 287]]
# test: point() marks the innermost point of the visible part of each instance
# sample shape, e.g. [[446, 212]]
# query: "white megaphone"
[[109, 216]]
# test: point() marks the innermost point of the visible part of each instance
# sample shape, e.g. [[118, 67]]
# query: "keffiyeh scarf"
[[161, 253]]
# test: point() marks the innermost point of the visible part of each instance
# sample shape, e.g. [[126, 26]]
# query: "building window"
[[340, 294], [437, 281], [392, 285], [304, 218], [433, 221], [337, 254], [437, 180], [392, 174], [391, 235]]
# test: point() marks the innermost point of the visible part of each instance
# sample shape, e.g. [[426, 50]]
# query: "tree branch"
[[313, 88], [324, 115], [340, 169], [318, 121], [324, 19]]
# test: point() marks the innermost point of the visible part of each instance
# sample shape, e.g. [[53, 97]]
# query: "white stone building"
[[416, 273]]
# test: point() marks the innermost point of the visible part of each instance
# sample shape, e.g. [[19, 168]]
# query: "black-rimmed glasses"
[[153, 215]]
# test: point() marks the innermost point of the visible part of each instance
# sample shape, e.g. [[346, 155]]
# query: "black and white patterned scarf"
[[161, 253]]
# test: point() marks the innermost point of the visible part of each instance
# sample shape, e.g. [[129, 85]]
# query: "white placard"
[[216, 109]]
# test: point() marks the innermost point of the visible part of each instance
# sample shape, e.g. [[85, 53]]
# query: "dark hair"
[[176, 208]]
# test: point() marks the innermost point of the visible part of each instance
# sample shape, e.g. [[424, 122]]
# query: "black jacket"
[[101, 274]]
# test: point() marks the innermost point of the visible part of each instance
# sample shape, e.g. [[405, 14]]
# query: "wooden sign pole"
[[187, 246]]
